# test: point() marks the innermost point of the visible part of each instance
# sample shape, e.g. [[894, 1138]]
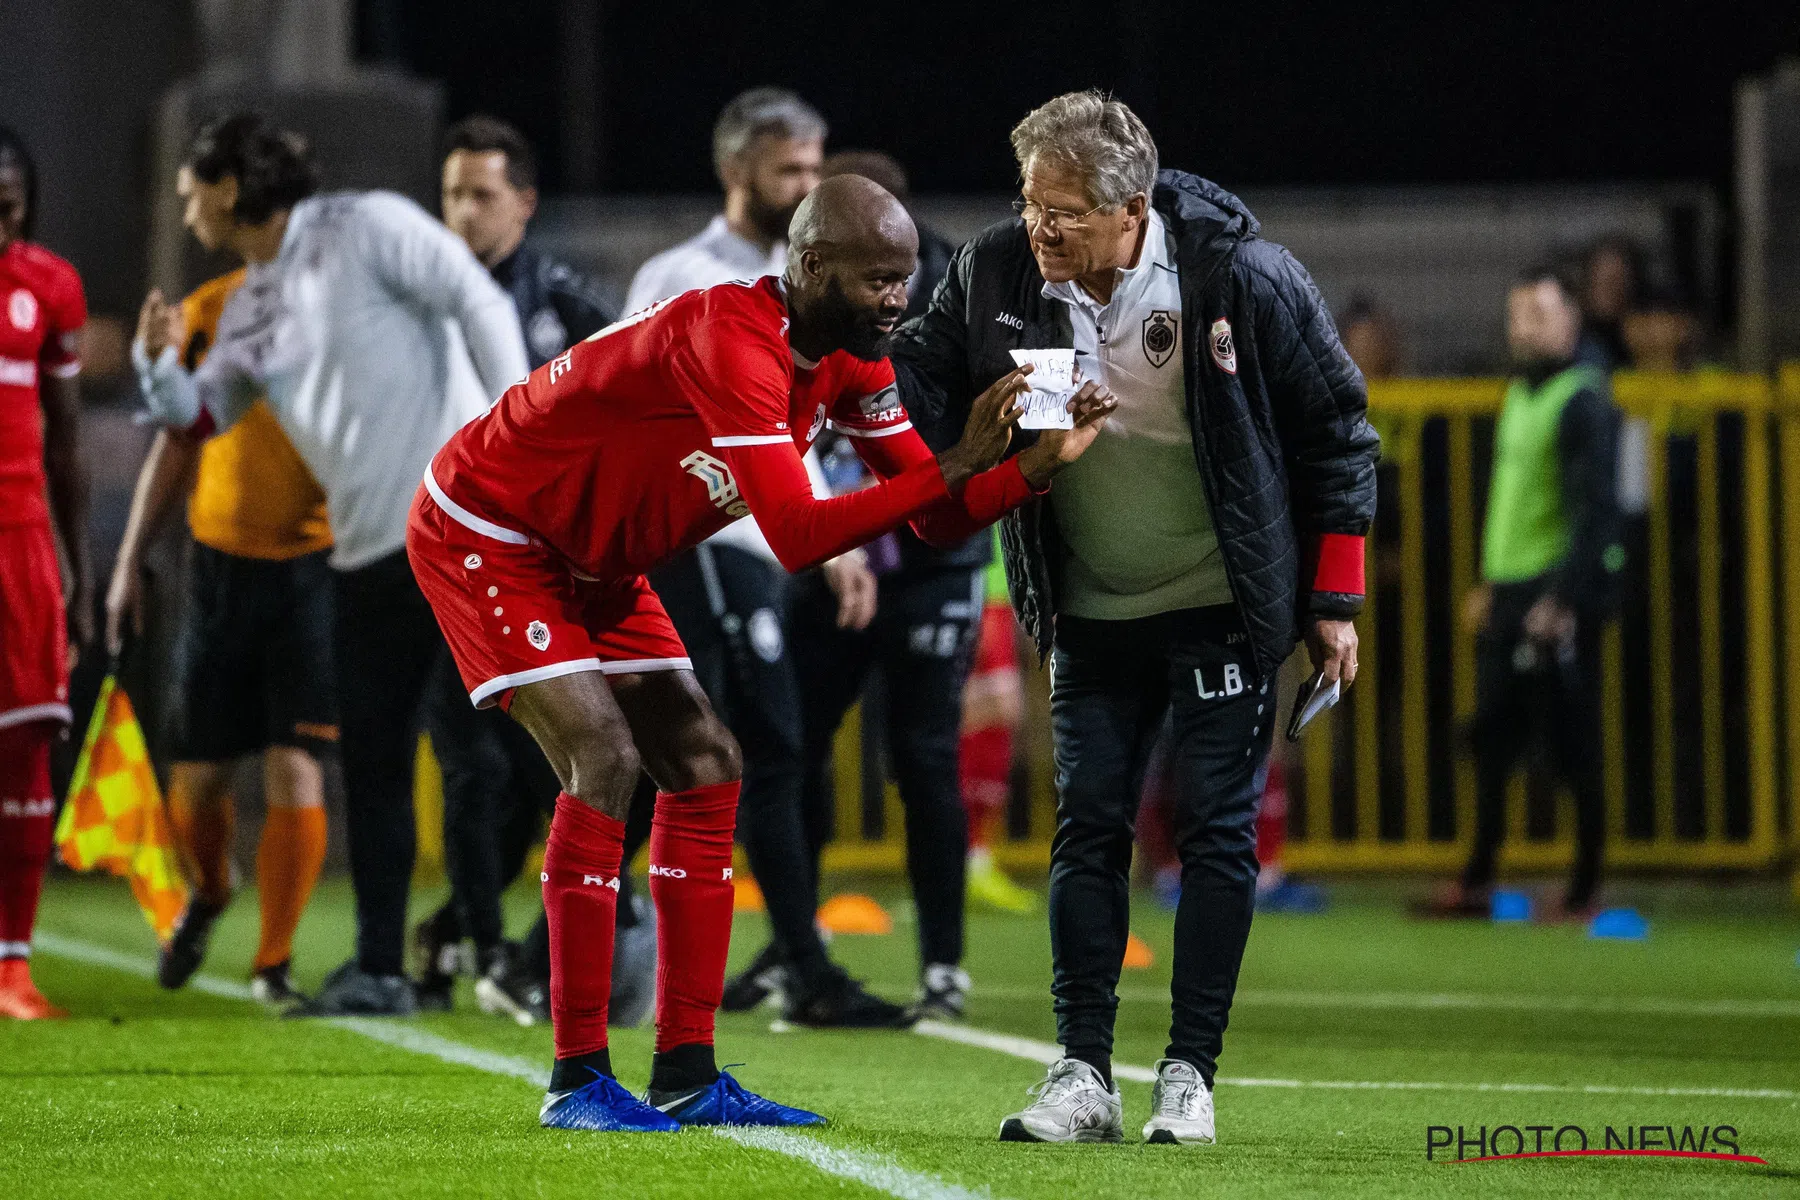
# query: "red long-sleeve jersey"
[[660, 430]]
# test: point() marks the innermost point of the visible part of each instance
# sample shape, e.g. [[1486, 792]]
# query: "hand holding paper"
[[1052, 383]]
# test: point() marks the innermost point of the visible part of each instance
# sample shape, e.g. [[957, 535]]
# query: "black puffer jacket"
[[1276, 405], [557, 305]]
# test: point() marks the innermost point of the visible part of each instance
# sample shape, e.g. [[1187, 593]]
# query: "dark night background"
[[1272, 93]]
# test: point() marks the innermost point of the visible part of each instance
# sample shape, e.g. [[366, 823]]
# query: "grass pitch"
[[1355, 1033]]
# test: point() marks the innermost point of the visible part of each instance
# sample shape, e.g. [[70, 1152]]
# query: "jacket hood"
[[1200, 209]]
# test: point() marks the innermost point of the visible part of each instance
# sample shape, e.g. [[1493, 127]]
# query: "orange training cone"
[[746, 896], [1138, 954], [114, 815], [853, 913]]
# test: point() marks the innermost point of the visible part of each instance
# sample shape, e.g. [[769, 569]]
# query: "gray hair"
[[1096, 135], [759, 111]]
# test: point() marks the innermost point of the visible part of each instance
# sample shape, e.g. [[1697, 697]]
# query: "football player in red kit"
[[42, 311], [531, 536]]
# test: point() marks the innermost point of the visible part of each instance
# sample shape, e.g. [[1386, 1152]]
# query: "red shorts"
[[34, 634], [996, 650], [514, 613]]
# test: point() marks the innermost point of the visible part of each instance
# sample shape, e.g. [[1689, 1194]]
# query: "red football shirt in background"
[[42, 310]]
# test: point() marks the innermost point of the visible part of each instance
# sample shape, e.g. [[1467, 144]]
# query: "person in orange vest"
[[254, 661]]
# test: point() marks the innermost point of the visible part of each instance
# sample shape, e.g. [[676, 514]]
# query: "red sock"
[[984, 760], [690, 881], [1271, 817], [27, 812], [581, 897]]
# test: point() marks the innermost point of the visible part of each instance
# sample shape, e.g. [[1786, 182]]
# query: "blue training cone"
[[1620, 924], [1510, 907]]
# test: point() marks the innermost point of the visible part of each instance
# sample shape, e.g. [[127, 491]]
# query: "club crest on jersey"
[[1223, 351], [538, 634], [721, 488], [22, 308], [1160, 335]]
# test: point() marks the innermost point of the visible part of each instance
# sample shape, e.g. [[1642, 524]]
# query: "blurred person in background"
[[917, 641], [253, 657], [1550, 564], [498, 786], [43, 501], [995, 687], [1217, 519], [727, 597], [344, 325]]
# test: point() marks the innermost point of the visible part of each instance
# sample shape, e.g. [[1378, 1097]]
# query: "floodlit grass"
[[146, 1093]]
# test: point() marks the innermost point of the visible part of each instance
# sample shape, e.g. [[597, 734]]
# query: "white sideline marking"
[[1047, 1052], [878, 1172], [871, 1170], [1429, 1001]]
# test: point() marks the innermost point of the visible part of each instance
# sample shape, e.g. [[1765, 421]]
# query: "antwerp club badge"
[[1223, 351]]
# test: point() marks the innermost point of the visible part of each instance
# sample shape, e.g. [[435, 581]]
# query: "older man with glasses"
[[1215, 522]]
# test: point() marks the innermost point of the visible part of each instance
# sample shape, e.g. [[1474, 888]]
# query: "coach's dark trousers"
[[1112, 684], [386, 643]]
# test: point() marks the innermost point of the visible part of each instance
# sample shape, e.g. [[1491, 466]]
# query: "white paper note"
[[1052, 382]]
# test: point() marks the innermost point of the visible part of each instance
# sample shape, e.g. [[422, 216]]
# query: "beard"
[[851, 328], [771, 220]]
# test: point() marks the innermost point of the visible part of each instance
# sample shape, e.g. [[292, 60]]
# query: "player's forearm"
[[974, 505], [804, 531], [161, 484], [983, 500], [67, 477]]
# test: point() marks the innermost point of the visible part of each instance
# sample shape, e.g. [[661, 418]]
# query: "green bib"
[[1527, 530]]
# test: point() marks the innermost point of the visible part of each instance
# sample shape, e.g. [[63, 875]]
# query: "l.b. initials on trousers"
[[1230, 685]]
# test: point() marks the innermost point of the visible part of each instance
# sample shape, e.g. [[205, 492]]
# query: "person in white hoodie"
[[374, 334]]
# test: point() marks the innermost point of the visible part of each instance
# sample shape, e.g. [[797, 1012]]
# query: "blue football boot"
[[603, 1107], [725, 1102]]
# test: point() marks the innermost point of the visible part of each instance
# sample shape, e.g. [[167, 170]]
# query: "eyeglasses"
[[1054, 219]]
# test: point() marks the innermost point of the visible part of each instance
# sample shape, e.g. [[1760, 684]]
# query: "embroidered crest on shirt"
[[538, 634], [1223, 351], [1160, 335], [22, 308]]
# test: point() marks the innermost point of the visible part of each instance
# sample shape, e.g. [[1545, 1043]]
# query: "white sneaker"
[[1181, 1106], [1072, 1105]]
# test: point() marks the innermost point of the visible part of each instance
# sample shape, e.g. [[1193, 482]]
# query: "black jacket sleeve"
[[1588, 447], [1319, 404], [578, 304], [930, 357]]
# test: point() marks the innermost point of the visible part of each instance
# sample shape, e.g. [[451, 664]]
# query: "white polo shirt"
[[1133, 511], [375, 334], [713, 256]]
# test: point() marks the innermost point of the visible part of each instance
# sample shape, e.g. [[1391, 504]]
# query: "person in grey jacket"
[[1217, 520]]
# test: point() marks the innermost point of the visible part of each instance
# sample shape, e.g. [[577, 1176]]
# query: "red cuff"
[[1337, 564]]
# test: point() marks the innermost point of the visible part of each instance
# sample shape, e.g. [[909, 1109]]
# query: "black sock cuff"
[[1100, 1060], [579, 1070], [683, 1068]]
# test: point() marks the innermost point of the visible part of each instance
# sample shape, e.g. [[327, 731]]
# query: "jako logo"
[[721, 488], [1007, 318], [670, 872]]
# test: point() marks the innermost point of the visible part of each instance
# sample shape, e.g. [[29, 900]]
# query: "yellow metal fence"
[[1701, 735]]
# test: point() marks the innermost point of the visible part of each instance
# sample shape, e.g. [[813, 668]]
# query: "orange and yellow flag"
[[114, 816]]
